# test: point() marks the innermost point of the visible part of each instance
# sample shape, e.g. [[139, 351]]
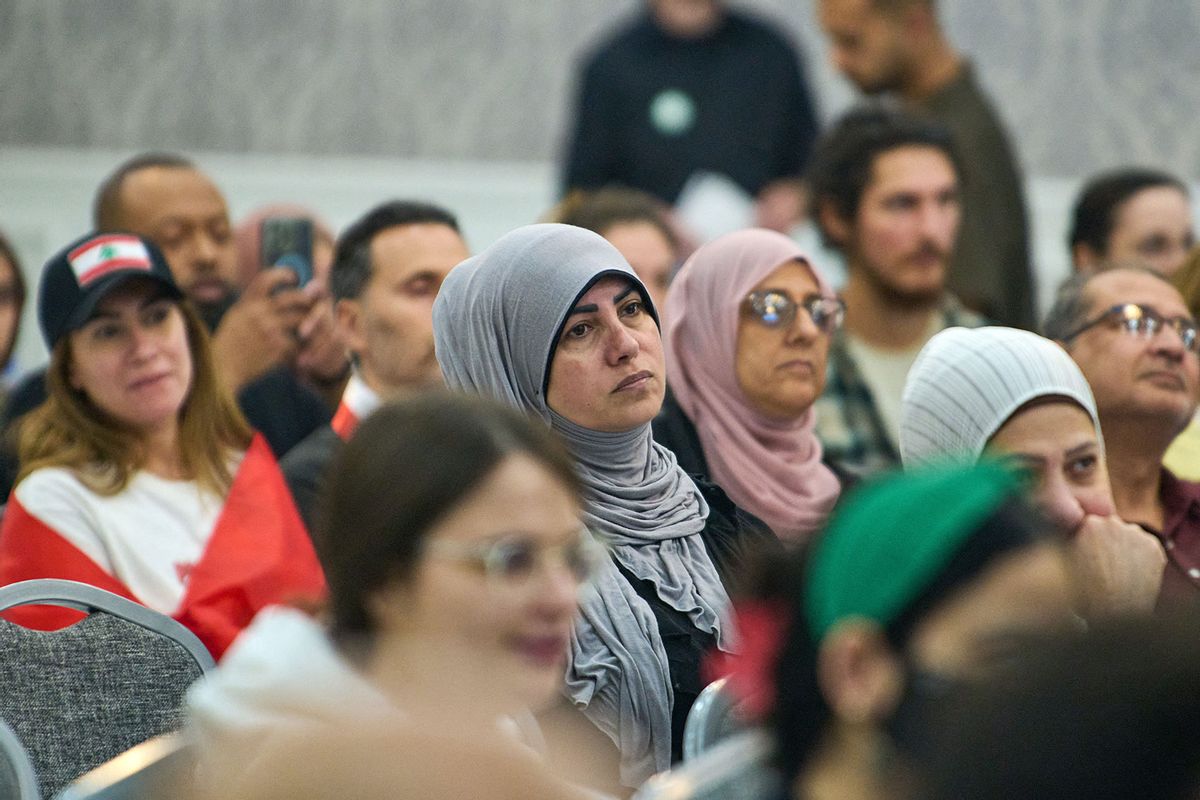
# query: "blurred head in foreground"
[[454, 553], [921, 582]]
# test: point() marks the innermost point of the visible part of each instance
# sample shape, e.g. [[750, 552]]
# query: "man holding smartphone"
[[387, 269], [168, 200], [258, 337]]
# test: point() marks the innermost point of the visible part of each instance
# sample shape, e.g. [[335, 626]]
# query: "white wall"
[[46, 196]]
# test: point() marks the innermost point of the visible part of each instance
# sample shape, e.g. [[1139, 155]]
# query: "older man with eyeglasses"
[[1131, 334]]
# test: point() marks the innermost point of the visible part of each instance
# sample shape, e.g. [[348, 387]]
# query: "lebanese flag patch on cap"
[[104, 254]]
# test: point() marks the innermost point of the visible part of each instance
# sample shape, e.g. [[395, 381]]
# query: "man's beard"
[[212, 313], [899, 297]]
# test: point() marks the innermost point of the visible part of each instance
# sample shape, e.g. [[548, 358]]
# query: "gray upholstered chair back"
[[79, 696], [17, 779]]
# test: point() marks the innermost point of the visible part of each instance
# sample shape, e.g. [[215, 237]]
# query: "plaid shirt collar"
[[852, 433]]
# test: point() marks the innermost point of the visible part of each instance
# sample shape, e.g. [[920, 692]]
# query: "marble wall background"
[[1084, 84]]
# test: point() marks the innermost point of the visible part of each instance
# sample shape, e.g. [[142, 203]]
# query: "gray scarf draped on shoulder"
[[496, 320]]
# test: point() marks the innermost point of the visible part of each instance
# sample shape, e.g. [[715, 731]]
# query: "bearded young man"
[[886, 194], [899, 49]]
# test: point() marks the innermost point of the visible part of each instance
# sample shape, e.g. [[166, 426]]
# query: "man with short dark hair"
[[387, 269], [899, 47], [1132, 216], [1135, 341], [885, 190]]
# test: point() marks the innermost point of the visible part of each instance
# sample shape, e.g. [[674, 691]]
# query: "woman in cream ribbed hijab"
[[1017, 394], [552, 319]]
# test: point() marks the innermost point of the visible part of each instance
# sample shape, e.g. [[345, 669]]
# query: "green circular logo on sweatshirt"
[[672, 112]]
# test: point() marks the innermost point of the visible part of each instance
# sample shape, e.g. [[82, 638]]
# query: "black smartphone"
[[288, 242]]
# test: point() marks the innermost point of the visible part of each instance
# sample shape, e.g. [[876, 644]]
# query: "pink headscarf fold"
[[771, 468]]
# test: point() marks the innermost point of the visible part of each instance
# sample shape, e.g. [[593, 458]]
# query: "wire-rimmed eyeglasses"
[[775, 309], [1139, 320]]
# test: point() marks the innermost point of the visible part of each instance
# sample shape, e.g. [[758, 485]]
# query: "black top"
[[652, 109], [304, 469], [674, 431], [283, 409], [731, 537]]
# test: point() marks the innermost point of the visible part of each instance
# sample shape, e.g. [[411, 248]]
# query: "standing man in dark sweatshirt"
[[898, 47], [690, 86]]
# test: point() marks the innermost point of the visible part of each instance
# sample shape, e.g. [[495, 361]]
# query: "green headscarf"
[[891, 538]]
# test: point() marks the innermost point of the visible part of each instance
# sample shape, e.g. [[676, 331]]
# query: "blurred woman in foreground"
[[451, 539]]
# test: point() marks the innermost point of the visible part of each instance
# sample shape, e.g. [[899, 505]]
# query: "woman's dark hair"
[[1095, 211], [408, 465], [801, 712]]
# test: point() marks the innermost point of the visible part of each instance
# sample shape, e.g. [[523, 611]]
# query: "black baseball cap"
[[76, 279]]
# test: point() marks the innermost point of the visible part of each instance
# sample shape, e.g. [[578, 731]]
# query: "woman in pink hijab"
[[747, 326]]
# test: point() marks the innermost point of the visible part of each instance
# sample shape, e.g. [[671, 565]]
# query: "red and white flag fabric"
[[97, 257], [259, 554]]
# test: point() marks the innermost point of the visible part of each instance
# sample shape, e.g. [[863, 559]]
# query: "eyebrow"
[[1080, 449], [1024, 459], [591, 308]]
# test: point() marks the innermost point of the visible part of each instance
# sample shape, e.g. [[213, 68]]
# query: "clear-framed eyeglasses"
[[777, 309], [1142, 321], [511, 561]]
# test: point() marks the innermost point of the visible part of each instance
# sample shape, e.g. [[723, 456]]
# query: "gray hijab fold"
[[495, 322]]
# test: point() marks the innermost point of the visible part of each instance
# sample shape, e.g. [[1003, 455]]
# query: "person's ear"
[[832, 222], [390, 606], [1084, 258], [859, 675], [350, 326]]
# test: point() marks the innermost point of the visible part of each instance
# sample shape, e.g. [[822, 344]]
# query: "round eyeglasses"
[[511, 560], [1144, 321], [776, 309]]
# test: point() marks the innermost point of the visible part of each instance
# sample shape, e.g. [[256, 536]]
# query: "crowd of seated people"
[[457, 524]]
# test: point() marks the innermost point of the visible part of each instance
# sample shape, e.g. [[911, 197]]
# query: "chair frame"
[[148, 766], [713, 699], [86, 598], [27, 782], [717, 764]]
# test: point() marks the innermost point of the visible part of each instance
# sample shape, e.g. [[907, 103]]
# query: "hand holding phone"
[[288, 242]]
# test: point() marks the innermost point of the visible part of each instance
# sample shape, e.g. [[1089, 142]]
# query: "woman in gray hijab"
[[552, 319]]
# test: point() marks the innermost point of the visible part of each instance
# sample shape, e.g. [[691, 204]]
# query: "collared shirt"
[[1180, 536], [358, 401], [848, 421]]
